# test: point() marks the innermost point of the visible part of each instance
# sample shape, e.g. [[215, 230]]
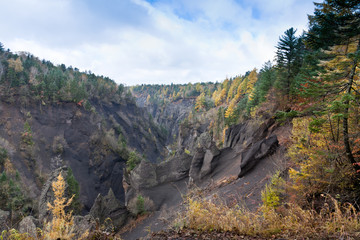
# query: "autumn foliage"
[[61, 225]]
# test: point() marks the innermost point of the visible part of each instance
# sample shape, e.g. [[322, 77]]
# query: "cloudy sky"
[[153, 41]]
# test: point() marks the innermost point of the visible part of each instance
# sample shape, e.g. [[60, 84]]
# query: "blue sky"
[[153, 41]]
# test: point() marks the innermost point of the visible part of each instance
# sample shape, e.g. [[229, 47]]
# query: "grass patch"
[[290, 220]]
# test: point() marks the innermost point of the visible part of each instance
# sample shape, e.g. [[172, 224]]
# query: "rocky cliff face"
[[168, 115], [245, 162], [40, 138]]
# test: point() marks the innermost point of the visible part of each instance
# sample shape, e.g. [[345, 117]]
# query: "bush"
[[3, 155], [282, 116], [272, 195], [132, 161], [26, 135], [140, 205], [58, 145]]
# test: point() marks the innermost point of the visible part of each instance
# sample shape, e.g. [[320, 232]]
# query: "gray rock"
[[203, 161], [4, 217], [205, 140], [241, 136], [109, 207], [233, 134], [28, 225], [83, 224], [196, 164], [144, 175], [147, 176], [173, 170], [209, 163], [257, 152]]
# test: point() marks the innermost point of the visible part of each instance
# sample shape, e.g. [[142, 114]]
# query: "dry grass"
[[286, 221], [133, 223]]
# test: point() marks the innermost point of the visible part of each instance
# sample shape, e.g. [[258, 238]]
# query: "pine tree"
[[73, 190], [335, 27], [289, 57]]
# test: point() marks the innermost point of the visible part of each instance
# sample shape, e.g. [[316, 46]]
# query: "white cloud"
[[135, 42]]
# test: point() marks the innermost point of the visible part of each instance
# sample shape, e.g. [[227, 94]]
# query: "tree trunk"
[[349, 154]]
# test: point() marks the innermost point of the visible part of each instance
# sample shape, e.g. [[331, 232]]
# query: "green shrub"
[[272, 194], [140, 205], [26, 135], [73, 189], [11, 196], [132, 161], [282, 116], [3, 156]]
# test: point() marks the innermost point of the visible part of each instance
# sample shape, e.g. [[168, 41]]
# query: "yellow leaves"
[[16, 64], [242, 88], [300, 138], [200, 102], [342, 64], [293, 172], [61, 225], [252, 80], [233, 89], [315, 157], [224, 133], [268, 222], [218, 96], [230, 111]]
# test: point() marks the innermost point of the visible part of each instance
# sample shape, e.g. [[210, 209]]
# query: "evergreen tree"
[[335, 26], [73, 189], [334, 22], [267, 77], [289, 57]]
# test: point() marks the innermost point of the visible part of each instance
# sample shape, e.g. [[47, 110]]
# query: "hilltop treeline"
[[25, 75]]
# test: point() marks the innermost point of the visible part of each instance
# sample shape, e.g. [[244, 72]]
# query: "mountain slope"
[[90, 125]]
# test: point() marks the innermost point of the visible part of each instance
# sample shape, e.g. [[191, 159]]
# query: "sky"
[[154, 41]]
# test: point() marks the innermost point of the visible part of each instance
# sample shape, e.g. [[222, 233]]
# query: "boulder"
[[196, 164], [174, 169], [4, 217], [203, 162], [109, 207], [144, 175], [28, 225], [204, 140], [83, 224], [209, 163]]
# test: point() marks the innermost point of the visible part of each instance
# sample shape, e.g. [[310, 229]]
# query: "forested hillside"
[[24, 75], [56, 116]]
